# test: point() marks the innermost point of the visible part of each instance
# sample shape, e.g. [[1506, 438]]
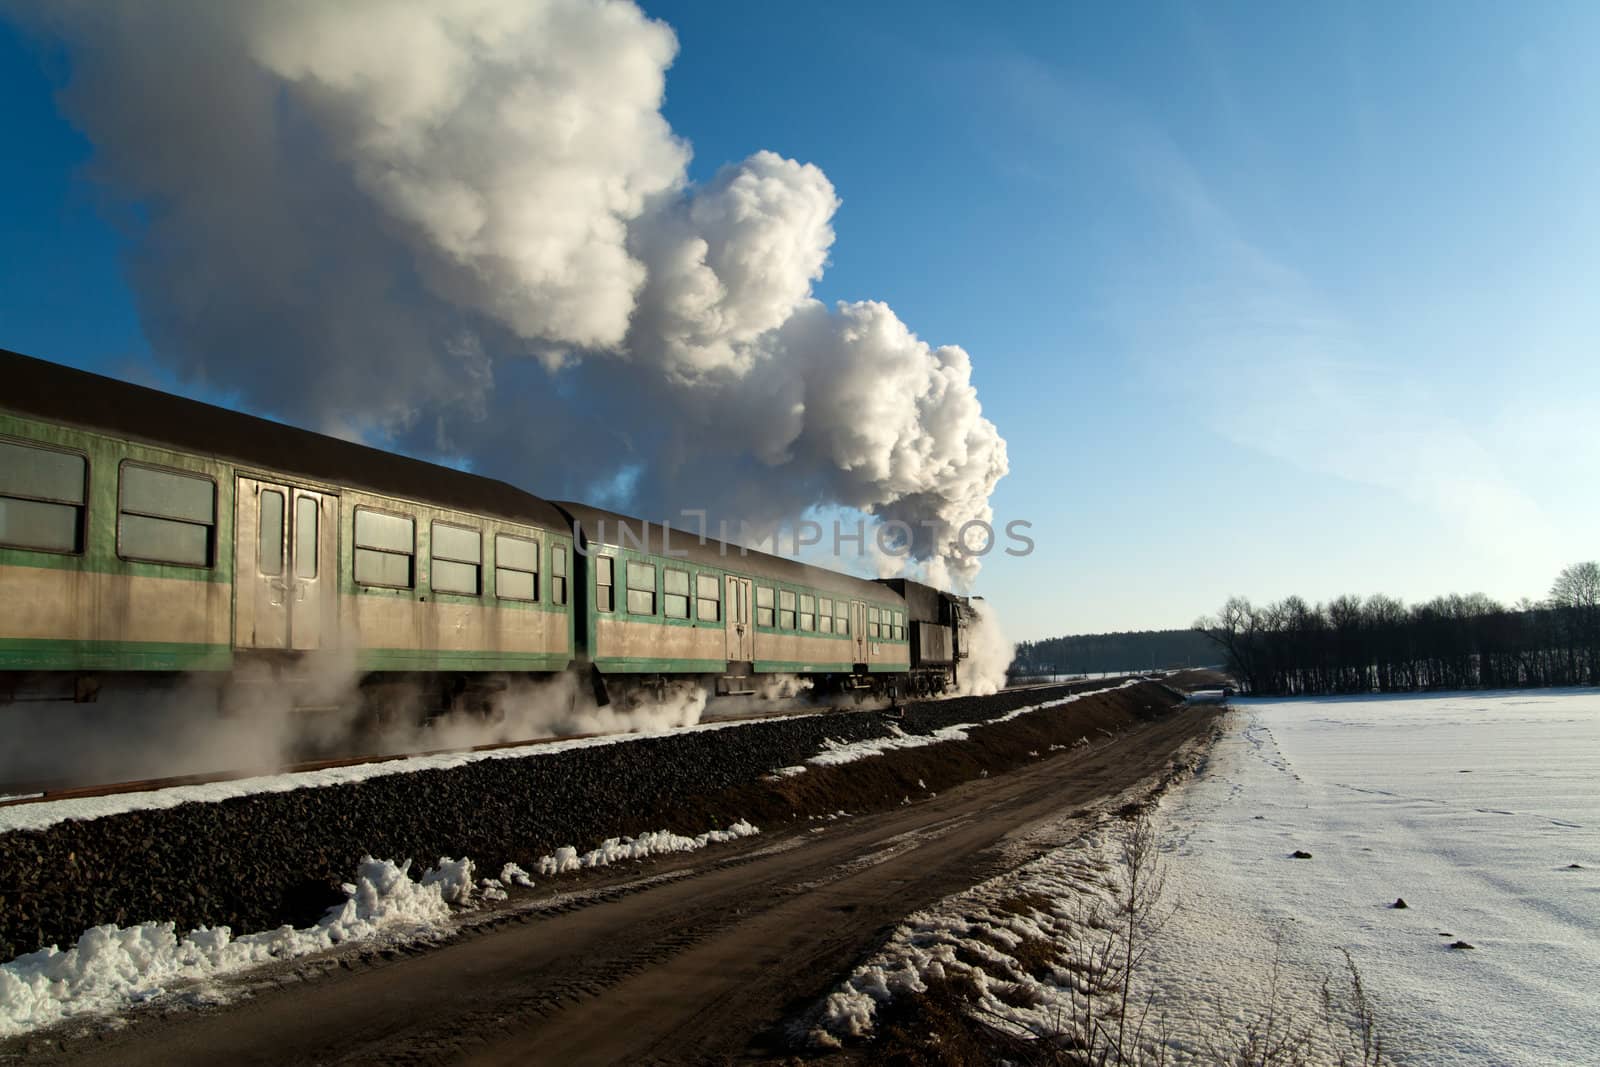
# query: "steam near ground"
[[989, 653], [252, 723], [462, 217], [257, 721]]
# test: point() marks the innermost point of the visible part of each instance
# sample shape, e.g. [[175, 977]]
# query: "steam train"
[[145, 537]]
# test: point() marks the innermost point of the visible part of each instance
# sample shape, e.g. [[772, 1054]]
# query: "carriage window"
[[841, 621], [166, 517], [305, 536], [785, 609], [641, 588], [899, 626], [41, 498], [516, 568], [763, 606], [269, 546], [808, 611], [457, 559], [558, 574], [384, 547], [605, 583], [676, 600], [708, 597], [825, 615], [872, 622]]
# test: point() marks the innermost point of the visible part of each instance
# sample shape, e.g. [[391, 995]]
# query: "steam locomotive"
[[146, 537]]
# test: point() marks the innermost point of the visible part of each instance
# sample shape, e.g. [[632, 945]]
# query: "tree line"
[[1378, 644], [1114, 652]]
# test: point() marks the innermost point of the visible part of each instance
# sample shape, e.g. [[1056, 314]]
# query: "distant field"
[[1480, 810]]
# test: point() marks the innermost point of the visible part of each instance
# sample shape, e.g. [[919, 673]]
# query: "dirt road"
[[698, 959]]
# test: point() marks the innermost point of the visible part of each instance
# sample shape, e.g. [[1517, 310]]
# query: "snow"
[[835, 753], [971, 935], [43, 814], [626, 849], [1471, 807], [111, 968], [511, 874]]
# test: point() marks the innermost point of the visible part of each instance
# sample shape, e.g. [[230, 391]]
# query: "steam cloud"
[[181, 729], [989, 653], [463, 228]]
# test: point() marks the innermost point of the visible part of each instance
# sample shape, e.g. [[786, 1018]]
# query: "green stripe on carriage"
[[48, 654], [425, 659], [107, 564], [888, 668], [779, 666], [648, 665]]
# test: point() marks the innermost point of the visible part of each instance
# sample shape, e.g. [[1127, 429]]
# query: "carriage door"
[[285, 566], [858, 629], [741, 634]]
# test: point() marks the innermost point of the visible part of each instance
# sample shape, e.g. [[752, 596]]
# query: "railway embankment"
[[254, 861]]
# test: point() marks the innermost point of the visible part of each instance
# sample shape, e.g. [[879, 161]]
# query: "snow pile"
[[1037, 952], [835, 753], [974, 935], [511, 874], [111, 967], [624, 849]]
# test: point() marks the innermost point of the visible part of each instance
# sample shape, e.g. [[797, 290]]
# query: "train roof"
[[686, 544], [51, 392]]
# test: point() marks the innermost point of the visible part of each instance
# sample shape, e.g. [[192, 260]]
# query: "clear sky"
[[1265, 299]]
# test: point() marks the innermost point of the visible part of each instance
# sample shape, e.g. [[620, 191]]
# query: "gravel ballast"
[[258, 861]]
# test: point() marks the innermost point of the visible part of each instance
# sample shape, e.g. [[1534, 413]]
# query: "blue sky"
[[1264, 299]]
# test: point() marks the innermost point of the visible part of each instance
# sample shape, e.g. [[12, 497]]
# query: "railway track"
[[43, 791], [36, 792]]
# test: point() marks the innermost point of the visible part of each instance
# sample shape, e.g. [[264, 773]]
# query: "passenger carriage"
[[146, 538], [144, 534], [662, 603]]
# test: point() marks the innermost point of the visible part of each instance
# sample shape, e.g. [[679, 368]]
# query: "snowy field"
[[1482, 811], [1471, 807]]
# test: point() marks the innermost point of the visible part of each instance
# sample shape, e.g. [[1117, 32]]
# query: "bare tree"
[[1578, 586]]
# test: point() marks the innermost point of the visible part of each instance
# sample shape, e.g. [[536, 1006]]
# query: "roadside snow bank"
[[624, 849], [111, 968]]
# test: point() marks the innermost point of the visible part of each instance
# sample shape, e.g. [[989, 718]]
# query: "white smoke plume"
[[989, 654], [463, 228]]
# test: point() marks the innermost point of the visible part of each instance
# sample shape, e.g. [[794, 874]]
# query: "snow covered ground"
[[1471, 807], [111, 968]]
